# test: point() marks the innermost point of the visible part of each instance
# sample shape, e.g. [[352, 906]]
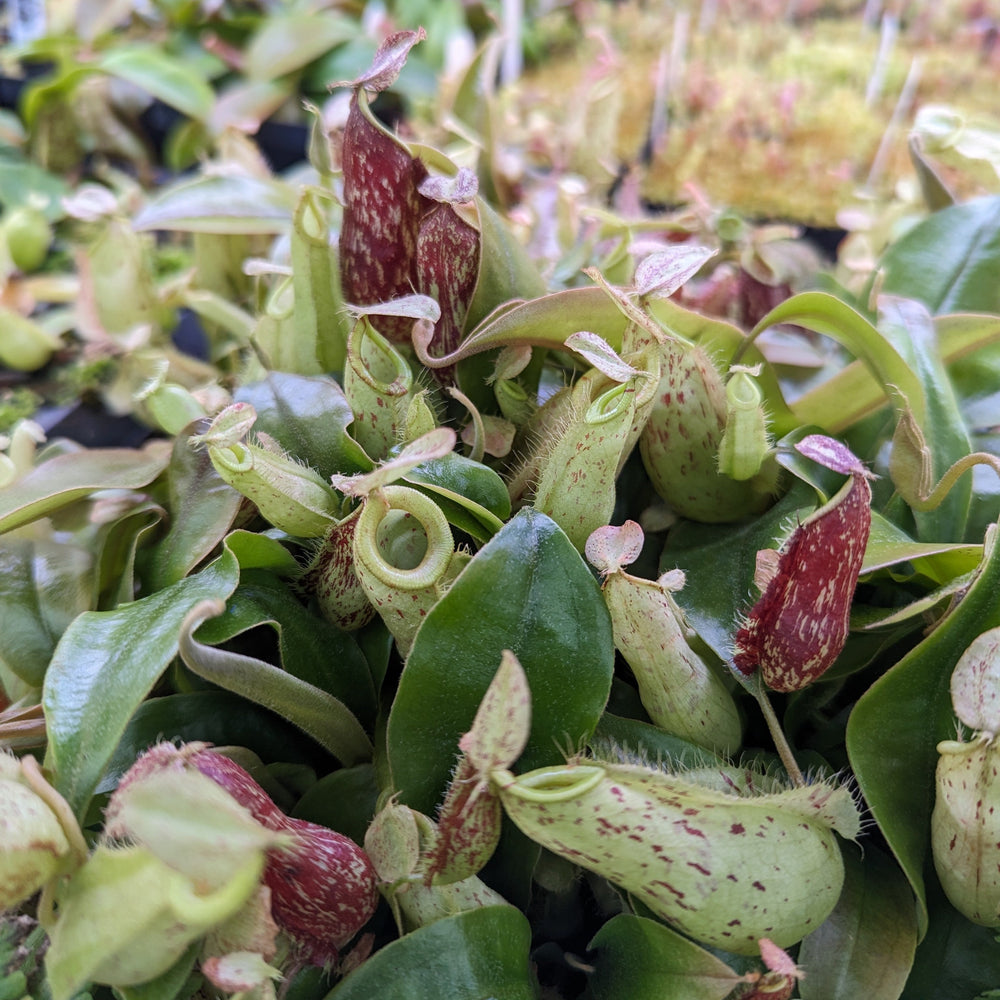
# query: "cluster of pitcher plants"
[[459, 635]]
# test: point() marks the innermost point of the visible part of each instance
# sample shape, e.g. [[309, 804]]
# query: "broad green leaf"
[[151, 69], [894, 729], [43, 586], [202, 508], [308, 417], [473, 497], [319, 714], [106, 663], [212, 716], [256, 551], [471, 956], [950, 260], [505, 271], [215, 204], [286, 42], [865, 947], [311, 649], [957, 960], [642, 959], [547, 321], [119, 542], [526, 590], [73, 475]]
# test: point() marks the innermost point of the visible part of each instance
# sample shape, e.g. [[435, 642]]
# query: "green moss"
[[771, 117], [17, 404]]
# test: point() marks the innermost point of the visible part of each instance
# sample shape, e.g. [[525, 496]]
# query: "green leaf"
[[854, 392], [202, 508], [151, 69], [472, 496], [616, 734], [287, 42], [865, 947], [105, 665], [212, 716], [43, 586], [829, 315], [894, 729], [308, 417], [471, 956], [118, 544], [311, 649], [73, 475], [237, 204], [642, 959], [957, 960], [907, 325], [526, 590], [319, 714], [950, 260], [889, 545]]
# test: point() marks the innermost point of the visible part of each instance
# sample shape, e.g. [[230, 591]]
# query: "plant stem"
[[778, 735]]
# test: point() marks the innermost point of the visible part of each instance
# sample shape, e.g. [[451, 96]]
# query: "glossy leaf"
[[949, 261], [319, 714], [310, 649], [956, 960], [643, 959], [472, 496], [43, 586], [105, 665], [202, 509], [119, 543], [68, 477], [897, 723], [211, 716], [504, 599], [308, 417], [865, 947], [477, 954], [617, 735]]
